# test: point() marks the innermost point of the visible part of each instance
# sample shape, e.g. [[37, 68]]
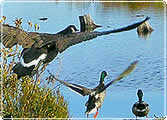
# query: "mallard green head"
[[140, 95], [103, 75]]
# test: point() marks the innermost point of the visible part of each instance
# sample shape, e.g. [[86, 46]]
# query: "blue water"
[[83, 63]]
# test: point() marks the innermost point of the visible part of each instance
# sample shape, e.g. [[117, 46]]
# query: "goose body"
[[97, 94], [140, 108], [31, 57]]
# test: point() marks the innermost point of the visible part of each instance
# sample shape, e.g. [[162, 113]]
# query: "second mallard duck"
[[140, 108], [97, 94]]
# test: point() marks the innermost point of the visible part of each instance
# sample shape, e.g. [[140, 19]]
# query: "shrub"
[[25, 97]]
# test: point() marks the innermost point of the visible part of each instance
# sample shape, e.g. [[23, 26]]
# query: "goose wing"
[[10, 32], [129, 27], [123, 74], [63, 42]]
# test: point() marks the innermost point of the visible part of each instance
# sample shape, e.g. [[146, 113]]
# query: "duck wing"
[[83, 91], [123, 74]]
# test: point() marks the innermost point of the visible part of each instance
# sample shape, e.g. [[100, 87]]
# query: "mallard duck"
[[140, 108], [31, 57], [97, 94], [68, 30]]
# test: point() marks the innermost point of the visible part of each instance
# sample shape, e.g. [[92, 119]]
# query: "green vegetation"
[[135, 6], [26, 97]]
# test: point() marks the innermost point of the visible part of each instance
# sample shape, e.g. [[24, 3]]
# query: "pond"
[[83, 63]]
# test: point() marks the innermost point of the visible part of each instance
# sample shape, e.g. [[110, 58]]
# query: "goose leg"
[[96, 113]]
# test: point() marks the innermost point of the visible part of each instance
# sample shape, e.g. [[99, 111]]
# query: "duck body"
[[140, 108], [94, 102], [96, 98]]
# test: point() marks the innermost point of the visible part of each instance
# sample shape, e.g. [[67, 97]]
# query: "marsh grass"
[[26, 97]]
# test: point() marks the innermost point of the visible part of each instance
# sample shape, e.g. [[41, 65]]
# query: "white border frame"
[[165, 54], [165, 59], [1, 5]]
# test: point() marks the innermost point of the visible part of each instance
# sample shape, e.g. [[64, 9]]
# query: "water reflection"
[[131, 7], [144, 35], [144, 30]]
